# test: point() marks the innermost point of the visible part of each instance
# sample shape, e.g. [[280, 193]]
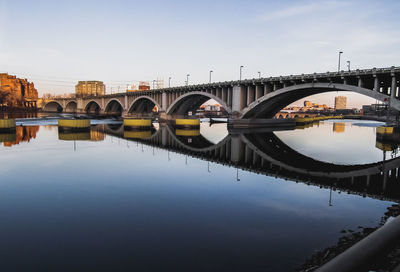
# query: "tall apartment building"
[[90, 88], [340, 102]]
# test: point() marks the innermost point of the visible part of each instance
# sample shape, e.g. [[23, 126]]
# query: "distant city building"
[[159, 83], [19, 92], [90, 88], [340, 102], [144, 86]]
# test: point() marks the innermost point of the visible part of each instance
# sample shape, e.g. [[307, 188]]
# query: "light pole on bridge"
[[169, 82], [340, 53], [348, 65], [187, 79], [154, 81], [240, 75], [211, 71], [259, 74]]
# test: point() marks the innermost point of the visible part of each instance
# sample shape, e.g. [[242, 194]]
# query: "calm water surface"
[[96, 201]]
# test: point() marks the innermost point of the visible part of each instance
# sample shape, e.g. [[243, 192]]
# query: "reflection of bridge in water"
[[264, 153]]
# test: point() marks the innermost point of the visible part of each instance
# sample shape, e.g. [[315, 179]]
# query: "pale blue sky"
[[56, 43]]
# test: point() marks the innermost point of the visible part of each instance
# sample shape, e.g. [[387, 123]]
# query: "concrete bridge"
[[244, 99], [265, 153]]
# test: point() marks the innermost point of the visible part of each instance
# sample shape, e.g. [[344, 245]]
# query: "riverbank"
[[386, 263]]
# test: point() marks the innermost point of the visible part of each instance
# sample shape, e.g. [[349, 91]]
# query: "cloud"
[[303, 9]]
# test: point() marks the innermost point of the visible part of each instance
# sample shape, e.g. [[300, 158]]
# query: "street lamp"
[[240, 76], [210, 74], [340, 53], [169, 82], [187, 79], [154, 81], [348, 65], [259, 74]]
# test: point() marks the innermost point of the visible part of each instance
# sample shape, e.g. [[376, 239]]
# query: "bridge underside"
[[269, 105]]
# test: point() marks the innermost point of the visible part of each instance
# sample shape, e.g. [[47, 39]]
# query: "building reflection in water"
[[338, 127], [21, 134], [89, 135]]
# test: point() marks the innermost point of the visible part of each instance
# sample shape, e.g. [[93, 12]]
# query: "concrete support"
[[267, 89], [236, 149], [250, 95], [224, 94], [360, 82], [229, 97], [164, 104], [376, 84], [259, 91], [393, 87], [238, 98], [126, 102]]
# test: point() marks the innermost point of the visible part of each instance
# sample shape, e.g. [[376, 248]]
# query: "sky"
[[57, 43]]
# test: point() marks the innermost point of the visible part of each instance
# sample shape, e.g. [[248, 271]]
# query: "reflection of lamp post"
[[208, 167], [340, 53], [330, 197], [237, 174], [168, 156], [186, 160]]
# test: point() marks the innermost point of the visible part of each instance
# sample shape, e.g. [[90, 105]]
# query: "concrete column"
[[376, 84], [259, 91], [250, 95], [223, 94], [267, 89], [164, 104], [219, 93], [126, 102], [238, 98], [360, 82], [236, 149], [102, 103], [229, 97], [393, 87], [275, 86]]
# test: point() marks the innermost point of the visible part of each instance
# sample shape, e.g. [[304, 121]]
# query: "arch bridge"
[[244, 99]]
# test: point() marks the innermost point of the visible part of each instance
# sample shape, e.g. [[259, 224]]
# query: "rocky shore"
[[386, 263]]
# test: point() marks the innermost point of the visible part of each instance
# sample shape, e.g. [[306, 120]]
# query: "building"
[[340, 102], [144, 86], [90, 88], [21, 92], [339, 127]]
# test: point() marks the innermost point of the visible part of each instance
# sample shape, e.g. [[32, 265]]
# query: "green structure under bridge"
[[244, 99]]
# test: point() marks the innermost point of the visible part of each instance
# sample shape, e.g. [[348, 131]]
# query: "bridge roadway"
[[245, 99], [265, 153]]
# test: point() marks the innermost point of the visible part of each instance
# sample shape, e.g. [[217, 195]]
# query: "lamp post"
[[259, 74], [187, 79], [340, 53], [240, 75], [154, 81], [169, 82], [348, 65], [210, 74]]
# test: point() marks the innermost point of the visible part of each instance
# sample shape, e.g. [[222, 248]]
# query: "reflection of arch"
[[114, 107], [143, 104], [53, 106], [71, 106], [92, 107], [272, 149], [202, 145], [270, 104], [192, 101]]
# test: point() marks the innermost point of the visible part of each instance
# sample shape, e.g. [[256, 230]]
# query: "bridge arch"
[[92, 107], [192, 101], [71, 106], [143, 104], [114, 107], [53, 106], [270, 104]]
